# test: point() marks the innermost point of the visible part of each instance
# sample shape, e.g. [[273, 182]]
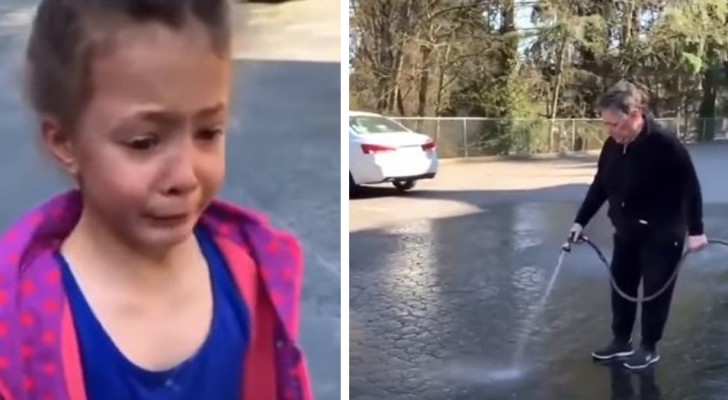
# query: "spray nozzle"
[[566, 246], [574, 238]]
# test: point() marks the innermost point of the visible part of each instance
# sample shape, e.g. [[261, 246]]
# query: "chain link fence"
[[476, 137]]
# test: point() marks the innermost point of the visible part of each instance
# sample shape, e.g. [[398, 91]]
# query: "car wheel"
[[404, 186], [352, 185]]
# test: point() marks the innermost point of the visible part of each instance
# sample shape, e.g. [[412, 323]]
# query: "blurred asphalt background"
[[283, 154]]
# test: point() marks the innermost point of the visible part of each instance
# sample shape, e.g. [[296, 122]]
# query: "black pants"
[[653, 261]]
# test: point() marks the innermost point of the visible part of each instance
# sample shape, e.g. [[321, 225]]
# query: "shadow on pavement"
[[535, 159], [475, 197], [369, 192], [484, 197]]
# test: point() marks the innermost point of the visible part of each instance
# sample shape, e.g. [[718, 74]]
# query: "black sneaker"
[[642, 359], [615, 349]]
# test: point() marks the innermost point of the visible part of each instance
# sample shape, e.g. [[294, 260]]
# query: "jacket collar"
[[276, 253], [647, 127]]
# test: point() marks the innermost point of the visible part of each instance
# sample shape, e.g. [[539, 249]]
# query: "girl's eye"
[[142, 144], [209, 134]]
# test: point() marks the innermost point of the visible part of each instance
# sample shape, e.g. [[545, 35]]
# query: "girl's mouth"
[[171, 219]]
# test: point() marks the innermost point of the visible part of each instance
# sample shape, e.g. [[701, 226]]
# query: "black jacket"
[[651, 185]]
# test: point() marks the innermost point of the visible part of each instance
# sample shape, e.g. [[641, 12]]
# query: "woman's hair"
[[624, 96], [67, 34]]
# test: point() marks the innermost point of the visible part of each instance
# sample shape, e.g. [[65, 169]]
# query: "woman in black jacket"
[[648, 179]]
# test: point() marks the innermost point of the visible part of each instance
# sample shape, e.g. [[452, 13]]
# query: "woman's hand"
[[697, 243]]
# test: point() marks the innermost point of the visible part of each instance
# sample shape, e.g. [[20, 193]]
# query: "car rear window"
[[373, 124]]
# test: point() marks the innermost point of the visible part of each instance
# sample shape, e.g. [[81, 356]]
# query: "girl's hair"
[[67, 34]]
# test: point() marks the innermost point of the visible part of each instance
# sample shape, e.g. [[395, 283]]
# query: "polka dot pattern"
[[280, 260], [32, 301], [27, 287]]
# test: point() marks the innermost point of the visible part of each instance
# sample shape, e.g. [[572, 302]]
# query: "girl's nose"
[[182, 178]]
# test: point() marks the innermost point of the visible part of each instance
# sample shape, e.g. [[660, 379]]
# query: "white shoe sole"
[[611, 356], [642, 366]]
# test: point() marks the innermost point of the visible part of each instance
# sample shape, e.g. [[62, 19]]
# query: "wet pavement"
[[446, 290], [283, 153]]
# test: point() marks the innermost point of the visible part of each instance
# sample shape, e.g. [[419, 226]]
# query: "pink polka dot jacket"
[[39, 358]]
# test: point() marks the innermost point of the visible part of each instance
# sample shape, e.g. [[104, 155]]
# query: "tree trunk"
[[557, 90], [441, 79], [707, 108], [396, 100], [425, 52]]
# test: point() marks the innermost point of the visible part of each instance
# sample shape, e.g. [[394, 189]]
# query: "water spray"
[[565, 250], [515, 370]]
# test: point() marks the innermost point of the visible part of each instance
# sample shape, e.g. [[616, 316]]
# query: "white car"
[[383, 150]]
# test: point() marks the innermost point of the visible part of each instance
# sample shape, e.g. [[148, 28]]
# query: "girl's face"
[[149, 149]]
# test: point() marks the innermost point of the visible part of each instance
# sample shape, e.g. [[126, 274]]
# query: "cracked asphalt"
[[445, 284]]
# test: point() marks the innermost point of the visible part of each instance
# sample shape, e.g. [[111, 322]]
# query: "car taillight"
[[375, 148], [429, 146]]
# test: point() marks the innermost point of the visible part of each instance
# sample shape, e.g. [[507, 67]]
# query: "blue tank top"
[[214, 372]]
